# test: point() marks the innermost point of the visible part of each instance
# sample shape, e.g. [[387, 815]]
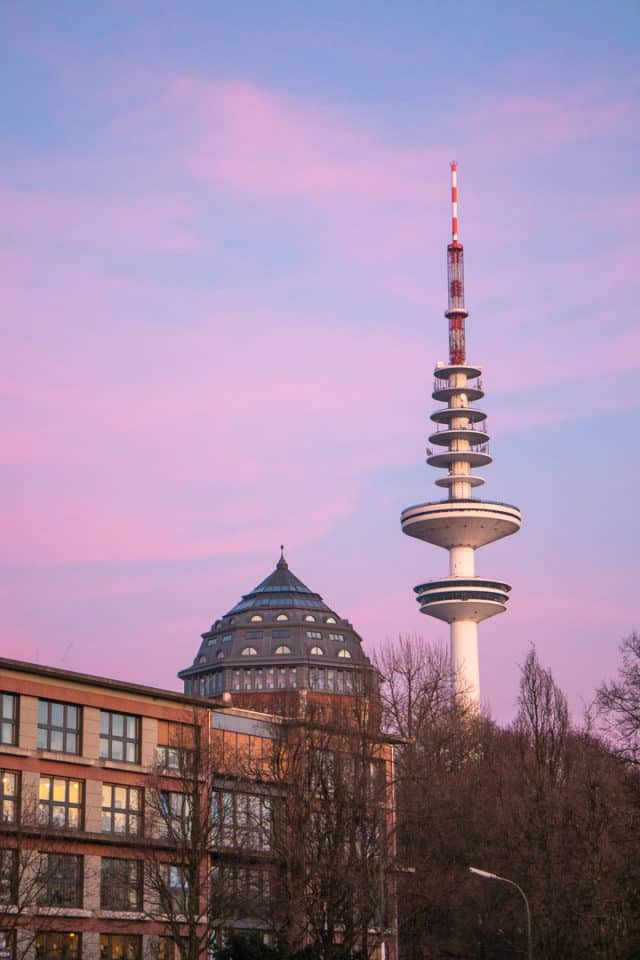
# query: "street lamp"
[[494, 876]]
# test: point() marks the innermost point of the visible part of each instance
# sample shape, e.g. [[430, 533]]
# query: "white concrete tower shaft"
[[460, 524]]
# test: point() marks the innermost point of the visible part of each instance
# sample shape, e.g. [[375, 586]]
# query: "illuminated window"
[[282, 616], [309, 618], [345, 654], [249, 652], [60, 802], [331, 620], [116, 946], [256, 618], [317, 651], [8, 796], [58, 946], [283, 648]]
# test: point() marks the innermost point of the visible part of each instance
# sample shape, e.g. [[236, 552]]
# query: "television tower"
[[460, 524]]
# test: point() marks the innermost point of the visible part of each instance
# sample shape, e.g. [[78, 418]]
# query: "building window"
[[9, 784], [256, 618], [314, 635], [331, 620], [282, 678], [176, 886], [121, 809], [283, 649], [243, 820], [249, 652], [168, 949], [120, 946], [280, 634], [282, 617], [247, 679], [60, 802], [119, 737], [293, 677], [271, 678], [227, 638], [8, 877], [336, 636], [61, 879], [58, 726], [309, 618], [120, 884], [58, 946], [174, 813], [345, 654], [259, 679], [176, 743], [8, 719], [220, 655], [317, 652], [235, 681]]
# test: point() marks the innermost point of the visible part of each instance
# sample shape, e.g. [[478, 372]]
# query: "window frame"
[[49, 804], [131, 813], [63, 882], [111, 738], [11, 722], [7, 798], [106, 940], [50, 729], [125, 880], [59, 954]]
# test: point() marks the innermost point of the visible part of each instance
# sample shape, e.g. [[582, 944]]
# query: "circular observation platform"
[[447, 370], [452, 478], [459, 598], [442, 438], [475, 458], [460, 523], [447, 414]]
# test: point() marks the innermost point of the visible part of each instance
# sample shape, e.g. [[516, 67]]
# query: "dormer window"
[[256, 618], [249, 652], [331, 620], [309, 618], [220, 655], [283, 648], [345, 654], [317, 652], [282, 616]]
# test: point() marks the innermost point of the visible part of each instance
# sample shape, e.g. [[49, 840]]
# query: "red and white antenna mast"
[[456, 313]]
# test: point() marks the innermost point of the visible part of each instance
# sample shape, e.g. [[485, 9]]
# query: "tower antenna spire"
[[456, 312]]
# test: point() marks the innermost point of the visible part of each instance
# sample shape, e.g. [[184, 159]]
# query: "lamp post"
[[494, 876]]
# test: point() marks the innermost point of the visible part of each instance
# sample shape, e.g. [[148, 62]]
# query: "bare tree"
[[39, 870], [181, 891], [618, 702]]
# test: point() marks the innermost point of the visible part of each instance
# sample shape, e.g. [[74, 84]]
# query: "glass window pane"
[[56, 741], [74, 817], [120, 797], [104, 748], [117, 724], [75, 791], [43, 711], [130, 752], [131, 727], [42, 739], [106, 822], [117, 752], [104, 722], [72, 717], [59, 790], [120, 823], [72, 743], [57, 714]]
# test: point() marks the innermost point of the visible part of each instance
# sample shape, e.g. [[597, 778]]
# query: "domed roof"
[[280, 628]]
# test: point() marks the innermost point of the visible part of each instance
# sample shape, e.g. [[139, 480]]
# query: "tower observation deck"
[[460, 524]]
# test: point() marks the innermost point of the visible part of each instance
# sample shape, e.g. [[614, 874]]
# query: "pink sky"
[[222, 296]]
